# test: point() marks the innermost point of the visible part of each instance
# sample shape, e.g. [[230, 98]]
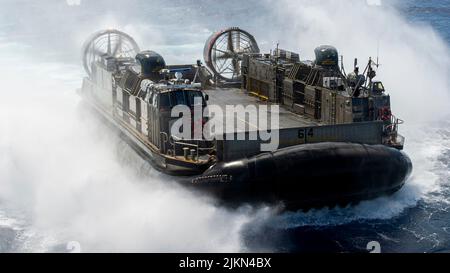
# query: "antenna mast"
[[378, 51]]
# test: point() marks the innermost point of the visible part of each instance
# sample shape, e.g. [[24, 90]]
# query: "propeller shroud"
[[224, 50], [112, 42]]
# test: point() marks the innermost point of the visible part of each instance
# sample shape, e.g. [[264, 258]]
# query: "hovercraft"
[[337, 141]]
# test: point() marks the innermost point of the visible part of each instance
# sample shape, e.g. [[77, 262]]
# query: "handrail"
[[392, 129], [164, 137], [175, 141]]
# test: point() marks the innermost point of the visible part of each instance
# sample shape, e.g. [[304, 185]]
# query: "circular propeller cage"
[[110, 42], [224, 51]]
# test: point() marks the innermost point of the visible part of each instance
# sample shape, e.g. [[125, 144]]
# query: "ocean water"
[[67, 183]]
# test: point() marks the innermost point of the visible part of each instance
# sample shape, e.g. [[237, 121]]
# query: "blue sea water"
[[60, 183], [424, 227], [434, 12]]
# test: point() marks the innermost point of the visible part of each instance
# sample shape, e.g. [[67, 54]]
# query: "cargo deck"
[[236, 96]]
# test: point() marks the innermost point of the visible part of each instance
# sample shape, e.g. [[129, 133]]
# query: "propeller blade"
[[109, 43], [238, 41], [230, 45], [236, 67], [223, 56], [118, 47], [220, 50]]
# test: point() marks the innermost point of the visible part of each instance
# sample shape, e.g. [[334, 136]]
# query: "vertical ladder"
[[312, 77], [333, 108], [294, 72]]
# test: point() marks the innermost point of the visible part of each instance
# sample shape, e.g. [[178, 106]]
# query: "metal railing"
[[391, 130], [190, 150]]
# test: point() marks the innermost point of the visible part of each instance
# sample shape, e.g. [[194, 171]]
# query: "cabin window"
[[378, 87], [177, 97], [164, 101], [194, 94]]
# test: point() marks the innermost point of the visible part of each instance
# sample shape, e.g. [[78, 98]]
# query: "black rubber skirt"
[[309, 175]]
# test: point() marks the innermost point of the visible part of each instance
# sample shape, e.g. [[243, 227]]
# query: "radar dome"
[[327, 56], [151, 63]]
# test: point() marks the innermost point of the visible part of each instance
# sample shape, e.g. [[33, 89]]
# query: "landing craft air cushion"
[[338, 140]]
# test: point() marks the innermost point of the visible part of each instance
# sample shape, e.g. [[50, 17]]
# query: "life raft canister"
[[384, 113]]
